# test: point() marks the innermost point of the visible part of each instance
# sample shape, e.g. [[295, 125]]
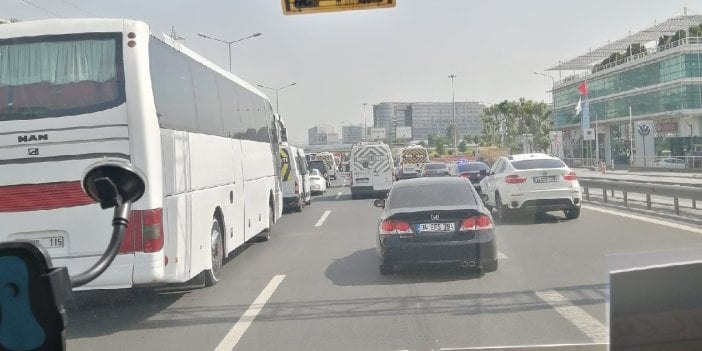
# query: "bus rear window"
[[60, 75]]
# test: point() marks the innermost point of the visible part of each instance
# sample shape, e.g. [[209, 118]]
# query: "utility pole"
[[453, 113], [276, 93]]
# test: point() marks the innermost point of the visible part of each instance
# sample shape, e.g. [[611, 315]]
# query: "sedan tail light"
[[570, 176], [514, 179], [391, 226], [480, 222]]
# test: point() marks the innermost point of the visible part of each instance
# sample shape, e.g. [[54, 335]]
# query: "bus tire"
[[214, 274], [266, 235]]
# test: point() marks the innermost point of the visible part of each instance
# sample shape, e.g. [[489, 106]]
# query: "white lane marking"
[[234, 335], [501, 255], [602, 346], [323, 218], [338, 195], [588, 324], [645, 219]]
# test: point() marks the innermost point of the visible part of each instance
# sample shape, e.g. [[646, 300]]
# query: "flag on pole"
[[583, 88], [586, 114], [579, 106]]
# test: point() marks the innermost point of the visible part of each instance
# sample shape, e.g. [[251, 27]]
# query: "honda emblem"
[[434, 216]]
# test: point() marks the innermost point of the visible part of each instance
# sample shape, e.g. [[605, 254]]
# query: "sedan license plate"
[[545, 179], [52, 242], [436, 227]]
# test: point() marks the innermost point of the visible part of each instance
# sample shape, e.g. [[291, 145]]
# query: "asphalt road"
[[316, 286]]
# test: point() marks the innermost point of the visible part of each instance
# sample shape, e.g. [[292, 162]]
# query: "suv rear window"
[[538, 164]]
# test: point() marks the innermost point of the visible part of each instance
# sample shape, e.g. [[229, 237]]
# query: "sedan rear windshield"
[[538, 164], [435, 166], [472, 167], [60, 75], [433, 195]]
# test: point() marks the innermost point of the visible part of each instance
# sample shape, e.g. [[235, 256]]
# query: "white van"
[[371, 169], [330, 162], [294, 178]]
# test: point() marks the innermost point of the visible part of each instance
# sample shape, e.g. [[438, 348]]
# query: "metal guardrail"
[[675, 191]]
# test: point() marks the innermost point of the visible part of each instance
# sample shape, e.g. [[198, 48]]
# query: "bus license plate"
[[52, 242], [437, 227], [545, 179]]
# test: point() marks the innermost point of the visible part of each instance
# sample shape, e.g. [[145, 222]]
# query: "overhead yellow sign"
[[298, 7]]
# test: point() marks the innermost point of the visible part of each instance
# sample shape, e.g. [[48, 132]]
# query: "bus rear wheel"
[[214, 274]]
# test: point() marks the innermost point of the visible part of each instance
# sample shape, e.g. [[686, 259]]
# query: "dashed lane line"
[[323, 218], [234, 335]]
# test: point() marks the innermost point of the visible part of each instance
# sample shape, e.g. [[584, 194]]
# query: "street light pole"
[[276, 93], [453, 113], [365, 125], [229, 43], [553, 104]]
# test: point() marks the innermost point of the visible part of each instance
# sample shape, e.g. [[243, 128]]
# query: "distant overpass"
[[322, 148]]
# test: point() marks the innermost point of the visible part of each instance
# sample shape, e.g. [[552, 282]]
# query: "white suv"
[[531, 182]]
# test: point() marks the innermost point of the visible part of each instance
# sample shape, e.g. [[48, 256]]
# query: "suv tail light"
[[570, 176], [144, 233], [480, 222], [514, 179], [391, 226]]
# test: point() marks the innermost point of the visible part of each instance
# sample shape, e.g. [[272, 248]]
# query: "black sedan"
[[435, 220], [474, 171]]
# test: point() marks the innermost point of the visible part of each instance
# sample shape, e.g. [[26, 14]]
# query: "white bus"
[[75, 91]]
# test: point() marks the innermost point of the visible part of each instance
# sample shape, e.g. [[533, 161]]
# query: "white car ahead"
[[536, 182], [318, 185], [670, 163]]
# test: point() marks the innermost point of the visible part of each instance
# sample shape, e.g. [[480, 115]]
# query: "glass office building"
[[654, 75]]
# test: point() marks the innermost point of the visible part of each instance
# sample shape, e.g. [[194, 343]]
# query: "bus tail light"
[[144, 233]]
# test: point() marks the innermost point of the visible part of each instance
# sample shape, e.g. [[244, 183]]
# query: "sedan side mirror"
[[379, 203], [484, 197]]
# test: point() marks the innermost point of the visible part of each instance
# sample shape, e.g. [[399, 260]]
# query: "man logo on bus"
[[32, 137]]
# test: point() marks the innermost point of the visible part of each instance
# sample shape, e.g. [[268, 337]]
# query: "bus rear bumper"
[[117, 276]]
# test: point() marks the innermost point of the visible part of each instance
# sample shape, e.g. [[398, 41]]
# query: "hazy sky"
[[340, 60]]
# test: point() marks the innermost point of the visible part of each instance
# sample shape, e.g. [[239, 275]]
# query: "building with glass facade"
[[654, 75], [426, 118], [322, 135], [351, 134]]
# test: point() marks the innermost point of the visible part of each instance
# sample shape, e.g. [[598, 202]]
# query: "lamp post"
[[229, 43], [553, 100], [365, 125], [453, 113], [276, 93]]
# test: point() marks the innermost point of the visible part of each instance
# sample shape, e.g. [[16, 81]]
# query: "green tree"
[[449, 132], [431, 139], [440, 149], [462, 146], [503, 123]]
